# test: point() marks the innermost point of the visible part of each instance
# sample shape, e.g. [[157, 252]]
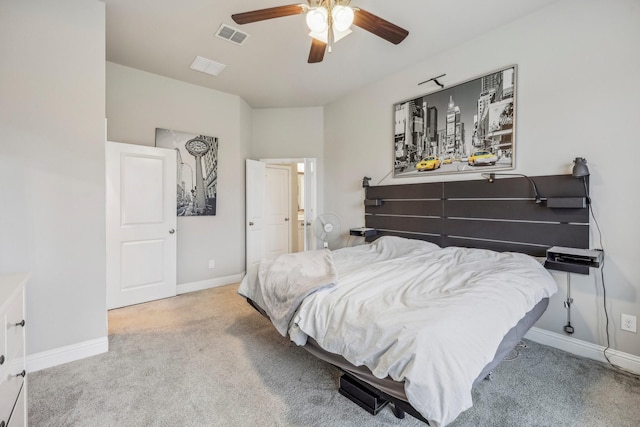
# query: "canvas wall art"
[[197, 170], [469, 127]]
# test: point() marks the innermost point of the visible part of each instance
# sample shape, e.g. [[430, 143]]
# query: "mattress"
[[396, 388], [433, 320]]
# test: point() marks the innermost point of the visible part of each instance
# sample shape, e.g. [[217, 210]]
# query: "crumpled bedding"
[[286, 280], [417, 313]]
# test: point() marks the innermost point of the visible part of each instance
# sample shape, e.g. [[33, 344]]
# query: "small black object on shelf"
[[373, 202], [363, 231], [567, 202]]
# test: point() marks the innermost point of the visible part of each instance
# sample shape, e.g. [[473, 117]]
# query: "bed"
[[418, 321], [425, 320]]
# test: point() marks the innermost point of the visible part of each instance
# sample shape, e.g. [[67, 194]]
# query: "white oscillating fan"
[[327, 227]]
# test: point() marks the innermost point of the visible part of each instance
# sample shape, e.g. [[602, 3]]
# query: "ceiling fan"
[[329, 21]]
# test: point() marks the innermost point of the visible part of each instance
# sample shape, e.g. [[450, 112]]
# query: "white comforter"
[[286, 280], [430, 317]]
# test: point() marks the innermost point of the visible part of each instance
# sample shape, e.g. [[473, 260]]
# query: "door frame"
[[255, 189]]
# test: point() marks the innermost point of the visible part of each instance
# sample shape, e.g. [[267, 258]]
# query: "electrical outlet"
[[628, 323], [212, 263]]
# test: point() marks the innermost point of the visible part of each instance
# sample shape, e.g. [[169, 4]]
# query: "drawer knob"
[[22, 374], [21, 323], [1, 359]]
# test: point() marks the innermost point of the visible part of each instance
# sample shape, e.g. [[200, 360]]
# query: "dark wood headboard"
[[500, 215]]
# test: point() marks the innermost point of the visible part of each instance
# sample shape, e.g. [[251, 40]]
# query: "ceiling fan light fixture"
[[342, 17], [328, 20], [337, 35], [317, 19]]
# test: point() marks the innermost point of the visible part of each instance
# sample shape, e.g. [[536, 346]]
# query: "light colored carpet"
[[208, 359]]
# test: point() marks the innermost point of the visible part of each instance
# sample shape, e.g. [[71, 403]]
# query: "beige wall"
[[279, 133], [578, 95], [52, 184], [139, 102]]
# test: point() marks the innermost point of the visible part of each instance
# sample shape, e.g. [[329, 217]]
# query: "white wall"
[[578, 95], [139, 102], [290, 133], [52, 185]]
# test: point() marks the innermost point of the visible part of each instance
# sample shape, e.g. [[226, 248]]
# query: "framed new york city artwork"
[[197, 170], [469, 127]]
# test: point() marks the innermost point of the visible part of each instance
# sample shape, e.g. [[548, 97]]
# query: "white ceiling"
[[270, 69]]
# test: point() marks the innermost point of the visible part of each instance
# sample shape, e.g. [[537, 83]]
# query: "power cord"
[[384, 177], [515, 352]]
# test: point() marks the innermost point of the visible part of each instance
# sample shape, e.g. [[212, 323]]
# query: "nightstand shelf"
[[573, 260], [363, 231]]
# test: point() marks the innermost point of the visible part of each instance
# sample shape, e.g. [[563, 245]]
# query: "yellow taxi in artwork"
[[482, 158], [428, 164]]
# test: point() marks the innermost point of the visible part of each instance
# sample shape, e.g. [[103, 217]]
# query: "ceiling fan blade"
[[269, 13], [378, 26], [316, 54]]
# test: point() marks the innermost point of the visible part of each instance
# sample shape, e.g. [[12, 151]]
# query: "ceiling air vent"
[[208, 66], [231, 34]]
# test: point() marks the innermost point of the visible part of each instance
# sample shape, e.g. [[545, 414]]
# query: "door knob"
[[286, 219], [250, 223], [172, 231]]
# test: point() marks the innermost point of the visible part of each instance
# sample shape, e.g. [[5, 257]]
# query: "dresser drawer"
[[9, 388], [19, 414], [12, 350], [14, 322]]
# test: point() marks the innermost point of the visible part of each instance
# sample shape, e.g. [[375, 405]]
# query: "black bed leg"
[[399, 413]]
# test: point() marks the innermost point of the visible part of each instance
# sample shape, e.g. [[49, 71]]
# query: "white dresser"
[[13, 378]]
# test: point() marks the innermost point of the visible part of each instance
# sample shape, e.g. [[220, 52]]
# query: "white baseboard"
[[209, 283], [70, 353], [578, 347]]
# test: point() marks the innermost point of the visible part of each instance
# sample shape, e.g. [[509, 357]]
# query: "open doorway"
[[302, 202]]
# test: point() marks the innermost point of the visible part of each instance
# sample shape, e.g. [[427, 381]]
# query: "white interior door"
[[278, 211], [255, 205], [141, 224], [310, 200]]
